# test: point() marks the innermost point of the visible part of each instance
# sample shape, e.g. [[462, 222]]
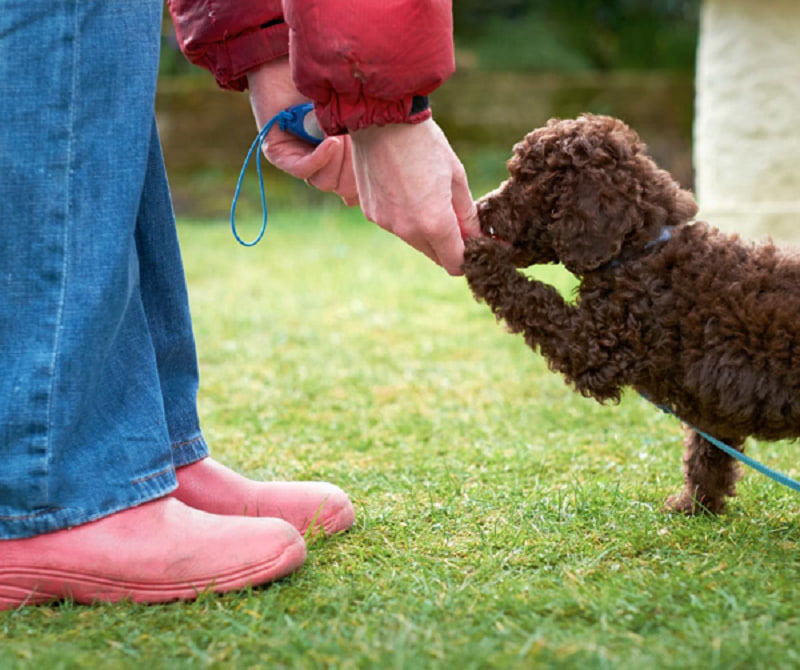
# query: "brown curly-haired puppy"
[[696, 320]]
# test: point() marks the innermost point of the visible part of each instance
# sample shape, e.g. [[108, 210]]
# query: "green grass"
[[503, 521]]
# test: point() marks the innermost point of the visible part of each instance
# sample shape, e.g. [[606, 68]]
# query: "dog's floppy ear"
[[590, 221]]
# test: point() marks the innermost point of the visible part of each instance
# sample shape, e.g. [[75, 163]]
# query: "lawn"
[[502, 520]]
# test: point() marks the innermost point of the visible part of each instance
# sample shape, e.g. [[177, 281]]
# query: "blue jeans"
[[99, 375]]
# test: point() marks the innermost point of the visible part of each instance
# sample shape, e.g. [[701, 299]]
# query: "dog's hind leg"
[[710, 476]]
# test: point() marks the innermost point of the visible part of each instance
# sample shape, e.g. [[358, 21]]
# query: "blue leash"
[[291, 120], [735, 453]]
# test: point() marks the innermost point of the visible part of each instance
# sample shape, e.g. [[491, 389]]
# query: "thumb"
[[464, 206], [296, 158]]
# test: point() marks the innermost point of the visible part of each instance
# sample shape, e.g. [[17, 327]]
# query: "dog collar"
[[664, 236]]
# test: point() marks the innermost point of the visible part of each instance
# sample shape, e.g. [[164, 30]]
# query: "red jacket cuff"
[[371, 60], [231, 60], [229, 38], [342, 113]]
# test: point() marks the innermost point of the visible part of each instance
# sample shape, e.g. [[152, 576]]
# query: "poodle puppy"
[[695, 320]]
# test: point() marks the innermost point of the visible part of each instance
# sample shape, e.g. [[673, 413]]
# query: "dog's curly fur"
[[701, 322]]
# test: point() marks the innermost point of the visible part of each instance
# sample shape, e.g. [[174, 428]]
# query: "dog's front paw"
[[688, 503], [481, 253]]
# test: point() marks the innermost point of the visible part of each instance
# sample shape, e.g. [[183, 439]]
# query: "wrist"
[[271, 79], [272, 89], [400, 131]]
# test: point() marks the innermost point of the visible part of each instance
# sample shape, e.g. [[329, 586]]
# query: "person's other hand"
[[411, 183], [329, 166]]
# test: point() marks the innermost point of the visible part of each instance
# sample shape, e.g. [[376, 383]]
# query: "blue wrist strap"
[[289, 120]]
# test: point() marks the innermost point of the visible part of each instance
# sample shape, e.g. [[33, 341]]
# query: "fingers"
[[328, 167], [297, 158], [444, 238], [442, 234], [326, 176], [430, 225], [439, 238], [347, 187], [337, 174], [425, 248], [464, 206]]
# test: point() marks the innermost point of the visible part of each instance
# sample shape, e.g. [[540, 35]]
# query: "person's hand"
[[411, 183], [329, 166]]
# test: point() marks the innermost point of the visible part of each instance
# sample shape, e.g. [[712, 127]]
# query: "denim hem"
[[144, 489], [191, 450]]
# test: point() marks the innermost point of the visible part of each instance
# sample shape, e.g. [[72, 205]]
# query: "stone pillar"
[[747, 124]]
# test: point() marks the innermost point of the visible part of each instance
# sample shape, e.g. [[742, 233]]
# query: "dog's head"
[[578, 192]]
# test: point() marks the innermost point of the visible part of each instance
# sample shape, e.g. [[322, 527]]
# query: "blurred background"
[[520, 62]]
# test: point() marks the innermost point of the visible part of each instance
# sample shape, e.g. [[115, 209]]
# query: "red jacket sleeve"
[[362, 62], [230, 37], [365, 62]]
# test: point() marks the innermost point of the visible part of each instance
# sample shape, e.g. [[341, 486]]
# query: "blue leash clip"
[[299, 121]]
